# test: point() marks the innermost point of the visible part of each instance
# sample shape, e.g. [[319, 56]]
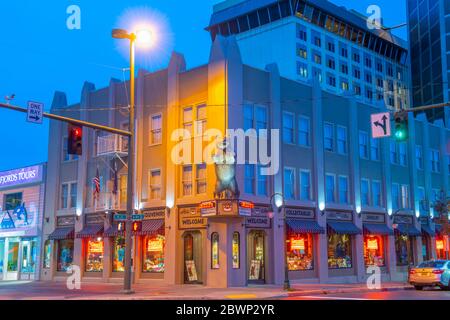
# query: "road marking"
[[331, 298], [241, 296]]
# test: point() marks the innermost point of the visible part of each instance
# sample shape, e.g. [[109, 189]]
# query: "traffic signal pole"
[[423, 108]]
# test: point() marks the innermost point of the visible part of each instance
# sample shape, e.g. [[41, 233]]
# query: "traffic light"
[[121, 226], [401, 127], [74, 142], [136, 226]]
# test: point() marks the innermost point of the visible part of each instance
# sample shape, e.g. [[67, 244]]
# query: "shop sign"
[[403, 219], [208, 208], [65, 221], [20, 219], [94, 218], [246, 208], [18, 177], [439, 244], [154, 214], [190, 218], [191, 270], [299, 213], [259, 218], [298, 244], [95, 247], [155, 245], [372, 244], [339, 215], [227, 208], [373, 217]]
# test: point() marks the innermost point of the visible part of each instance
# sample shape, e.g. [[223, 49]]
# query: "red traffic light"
[[74, 141]]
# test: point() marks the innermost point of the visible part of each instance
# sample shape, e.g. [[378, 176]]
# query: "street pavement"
[[20, 290]]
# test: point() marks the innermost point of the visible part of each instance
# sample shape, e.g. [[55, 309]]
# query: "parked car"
[[434, 273]]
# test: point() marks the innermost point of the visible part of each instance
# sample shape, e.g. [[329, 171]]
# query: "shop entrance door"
[[12, 259], [256, 256], [192, 258], [28, 259]]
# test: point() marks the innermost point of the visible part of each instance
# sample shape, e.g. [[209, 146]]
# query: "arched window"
[[236, 248], [215, 250]]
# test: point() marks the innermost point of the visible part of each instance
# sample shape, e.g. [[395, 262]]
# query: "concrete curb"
[[297, 293]]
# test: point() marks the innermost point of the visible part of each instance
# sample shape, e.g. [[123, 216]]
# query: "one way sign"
[[381, 125], [35, 112]]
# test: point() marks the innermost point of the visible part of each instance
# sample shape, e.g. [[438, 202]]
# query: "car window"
[[432, 264]]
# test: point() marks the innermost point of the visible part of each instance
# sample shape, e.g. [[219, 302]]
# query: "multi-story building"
[[349, 201], [317, 39], [429, 39], [22, 194]]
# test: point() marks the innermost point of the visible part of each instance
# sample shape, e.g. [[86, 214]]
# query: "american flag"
[[96, 182]]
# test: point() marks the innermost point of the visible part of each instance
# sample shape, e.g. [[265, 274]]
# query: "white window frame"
[[373, 195], [366, 134], [332, 136], [184, 123], [150, 185], [151, 130], [293, 127], [198, 180], [308, 142], [294, 187], [184, 182], [405, 201], [197, 120], [369, 203], [345, 141], [69, 192]]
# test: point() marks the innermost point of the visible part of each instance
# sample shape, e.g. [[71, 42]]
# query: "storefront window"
[[119, 254], [236, 250], [47, 254], [65, 254], [374, 251], [13, 256], [339, 251], [403, 249], [29, 256], [440, 252], [300, 252], [215, 250], [94, 255], [153, 257], [2, 254]]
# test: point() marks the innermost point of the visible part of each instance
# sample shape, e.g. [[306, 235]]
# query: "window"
[[343, 189], [403, 249], [304, 131], [402, 153], [356, 57], [393, 152], [317, 57], [363, 145], [341, 140], [302, 52], [330, 188], [344, 85], [331, 80], [249, 178], [344, 68], [118, 254], [68, 195], [339, 251], [365, 192], [344, 52], [380, 83], [300, 254], [187, 120], [374, 251], [65, 255], [156, 129], [368, 62], [94, 255], [201, 120], [316, 39], [261, 118], [301, 32], [331, 63], [376, 194], [369, 93], [356, 73], [12, 200], [374, 149], [357, 89], [236, 249], [248, 117], [214, 250], [289, 183], [201, 178], [155, 184], [435, 161], [395, 196], [317, 74], [331, 46], [328, 134], [288, 128], [262, 182], [187, 180], [405, 197], [153, 255], [302, 69], [305, 185], [368, 77], [47, 254]]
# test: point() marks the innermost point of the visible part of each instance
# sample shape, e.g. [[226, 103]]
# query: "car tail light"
[[438, 271], [412, 271]]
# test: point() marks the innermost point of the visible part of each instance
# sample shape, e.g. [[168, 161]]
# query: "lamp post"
[[277, 199], [142, 36]]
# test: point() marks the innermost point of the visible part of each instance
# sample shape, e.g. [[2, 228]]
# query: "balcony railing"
[[108, 201], [112, 144]]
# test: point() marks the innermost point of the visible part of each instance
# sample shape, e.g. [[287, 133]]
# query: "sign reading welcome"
[[17, 177]]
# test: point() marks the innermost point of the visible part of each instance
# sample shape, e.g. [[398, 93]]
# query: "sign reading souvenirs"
[[299, 213], [154, 213], [338, 215], [190, 218], [35, 112], [17, 177]]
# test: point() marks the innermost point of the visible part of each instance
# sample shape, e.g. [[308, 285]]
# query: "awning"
[[91, 231], [343, 227], [408, 229], [377, 229], [427, 230], [112, 231], [304, 226], [152, 227], [62, 233]]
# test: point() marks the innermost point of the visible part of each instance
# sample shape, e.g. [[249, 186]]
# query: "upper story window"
[[374, 149], [316, 39], [368, 62], [343, 190], [200, 178], [331, 80], [155, 184], [344, 68], [288, 127], [262, 182], [365, 196], [356, 56], [395, 196], [330, 45], [402, 153], [304, 131], [289, 183], [302, 32], [249, 178], [302, 69], [188, 118], [317, 57], [419, 157], [12, 200], [187, 180], [393, 152], [377, 199], [344, 51], [328, 137], [331, 63], [379, 66], [435, 161], [302, 51], [201, 120], [68, 195], [66, 155], [305, 185], [363, 145], [156, 129], [356, 72], [405, 197], [341, 139], [248, 117], [389, 69], [330, 183]]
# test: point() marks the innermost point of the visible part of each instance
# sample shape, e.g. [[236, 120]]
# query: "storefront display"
[[440, 248], [215, 250], [374, 251], [119, 254], [236, 250], [403, 249], [29, 255], [339, 251], [65, 254], [47, 254], [153, 255], [94, 255], [300, 252]]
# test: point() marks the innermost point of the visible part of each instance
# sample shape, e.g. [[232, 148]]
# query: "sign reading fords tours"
[[22, 176]]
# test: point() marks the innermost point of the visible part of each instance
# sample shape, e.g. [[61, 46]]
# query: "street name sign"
[[381, 125], [137, 217], [120, 217], [35, 112]]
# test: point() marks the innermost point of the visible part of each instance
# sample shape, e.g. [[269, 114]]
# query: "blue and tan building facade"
[[350, 201]]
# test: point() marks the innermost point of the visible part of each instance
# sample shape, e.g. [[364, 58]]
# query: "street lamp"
[[277, 199], [141, 37]]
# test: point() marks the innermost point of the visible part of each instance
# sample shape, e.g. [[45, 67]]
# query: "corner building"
[[344, 192]]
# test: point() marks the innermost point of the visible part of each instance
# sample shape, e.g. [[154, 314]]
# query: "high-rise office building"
[[429, 36]]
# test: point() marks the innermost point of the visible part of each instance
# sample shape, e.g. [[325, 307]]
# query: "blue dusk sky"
[[40, 55]]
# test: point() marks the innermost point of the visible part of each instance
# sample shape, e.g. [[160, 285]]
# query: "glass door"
[[256, 256], [28, 257], [192, 258], [12, 264]]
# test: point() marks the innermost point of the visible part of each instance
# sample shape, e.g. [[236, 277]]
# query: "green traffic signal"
[[401, 128]]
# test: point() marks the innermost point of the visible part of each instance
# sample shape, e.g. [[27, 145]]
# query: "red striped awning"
[[304, 226], [152, 227], [62, 233], [91, 231]]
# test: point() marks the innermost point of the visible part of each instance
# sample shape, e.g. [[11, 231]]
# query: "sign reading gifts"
[[17, 177]]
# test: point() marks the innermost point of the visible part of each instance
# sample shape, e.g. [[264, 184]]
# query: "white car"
[[434, 273]]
